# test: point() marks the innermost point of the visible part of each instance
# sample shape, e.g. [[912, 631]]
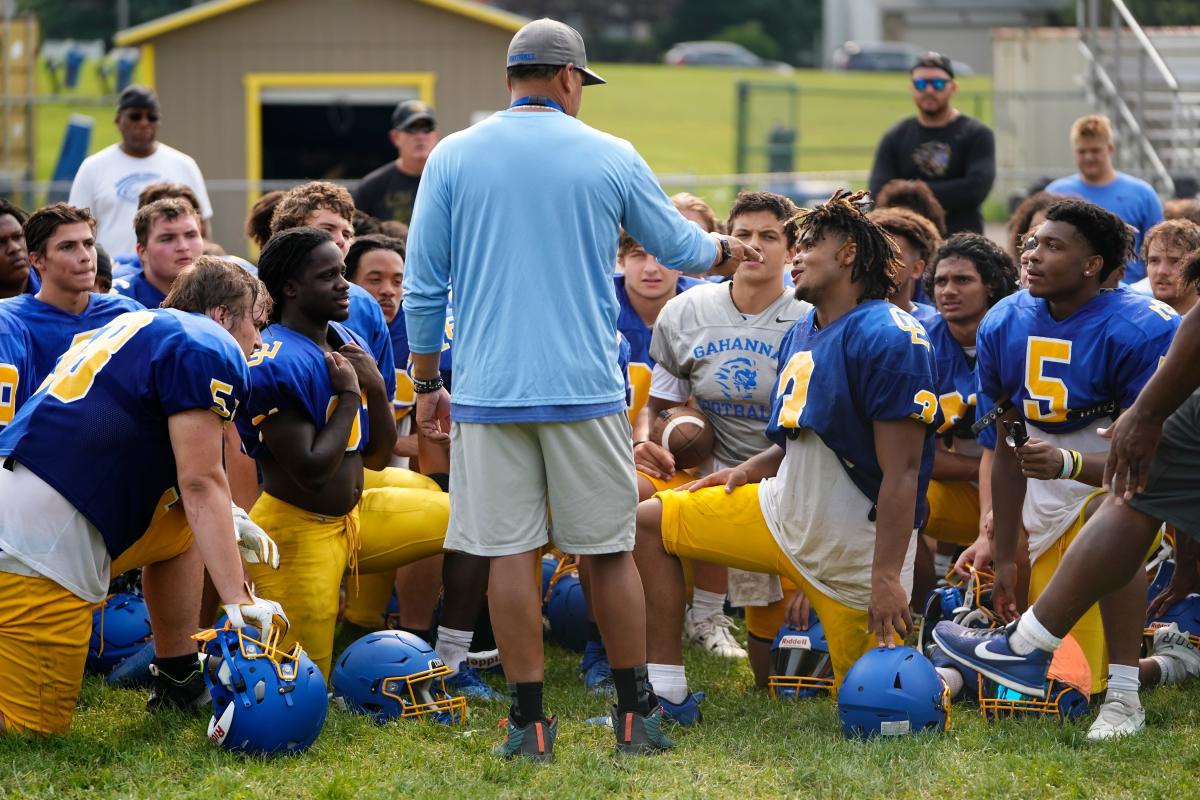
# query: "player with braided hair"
[[833, 503]]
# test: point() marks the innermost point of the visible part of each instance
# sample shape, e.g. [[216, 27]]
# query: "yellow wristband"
[[1078, 457]]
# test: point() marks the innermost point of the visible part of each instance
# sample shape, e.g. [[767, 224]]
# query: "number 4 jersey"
[[874, 364], [96, 431], [1064, 377]]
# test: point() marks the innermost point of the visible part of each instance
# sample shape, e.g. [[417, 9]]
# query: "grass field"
[[747, 747]]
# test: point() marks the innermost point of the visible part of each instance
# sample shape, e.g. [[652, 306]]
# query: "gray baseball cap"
[[550, 43]]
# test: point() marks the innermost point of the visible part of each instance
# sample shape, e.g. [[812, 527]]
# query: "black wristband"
[[426, 386]]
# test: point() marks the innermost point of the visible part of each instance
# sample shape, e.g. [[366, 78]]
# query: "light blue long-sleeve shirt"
[[521, 213]]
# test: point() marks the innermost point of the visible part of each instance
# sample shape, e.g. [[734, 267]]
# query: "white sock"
[[706, 604], [1031, 635], [452, 646], [1170, 669], [669, 681], [1123, 684], [953, 679], [941, 564]]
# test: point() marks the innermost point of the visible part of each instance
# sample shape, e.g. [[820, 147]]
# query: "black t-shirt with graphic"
[[958, 161], [387, 193]]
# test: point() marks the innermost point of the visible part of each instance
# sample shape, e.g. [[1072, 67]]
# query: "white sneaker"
[[713, 634], [1169, 641], [1117, 717]]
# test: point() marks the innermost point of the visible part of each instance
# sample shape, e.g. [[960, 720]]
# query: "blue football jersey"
[[96, 430], [367, 320], [288, 373], [956, 381], [873, 364], [16, 368], [1064, 375], [136, 287], [924, 313], [54, 331], [623, 362], [404, 395], [638, 335]]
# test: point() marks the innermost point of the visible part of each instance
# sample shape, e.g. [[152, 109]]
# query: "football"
[[686, 433]]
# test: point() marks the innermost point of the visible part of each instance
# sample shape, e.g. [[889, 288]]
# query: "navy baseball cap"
[[550, 43]]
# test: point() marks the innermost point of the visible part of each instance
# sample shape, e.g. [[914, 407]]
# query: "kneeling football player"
[[146, 397], [833, 504], [318, 414]]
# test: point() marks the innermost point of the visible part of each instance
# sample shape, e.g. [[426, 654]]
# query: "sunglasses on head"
[[138, 116], [938, 84]]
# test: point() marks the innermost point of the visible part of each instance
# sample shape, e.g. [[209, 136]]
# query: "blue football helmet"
[[549, 567], [1185, 614], [395, 674], [265, 701], [800, 663], [942, 603], [1067, 689], [892, 693], [1159, 580], [566, 611], [120, 628]]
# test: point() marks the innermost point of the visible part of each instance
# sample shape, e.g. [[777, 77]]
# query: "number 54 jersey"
[[96, 430]]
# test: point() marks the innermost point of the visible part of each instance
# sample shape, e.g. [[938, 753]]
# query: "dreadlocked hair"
[[282, 259], [1191, 268], [876, 259]]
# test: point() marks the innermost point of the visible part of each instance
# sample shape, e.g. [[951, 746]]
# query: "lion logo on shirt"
[[932, 158], [738, 378]]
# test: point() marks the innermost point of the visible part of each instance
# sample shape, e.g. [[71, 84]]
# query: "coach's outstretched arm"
[[196, 439], [899, 445]]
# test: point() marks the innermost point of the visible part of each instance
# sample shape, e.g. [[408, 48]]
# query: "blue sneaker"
[[595, 669], [469, 684], [987, 651], [685, 714], [135, 670]]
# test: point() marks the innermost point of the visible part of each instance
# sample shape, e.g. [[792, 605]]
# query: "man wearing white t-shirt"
[[109, 182]]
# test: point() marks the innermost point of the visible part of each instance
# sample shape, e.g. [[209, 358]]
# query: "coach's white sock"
[[452, 646], [1031, 635], [669, 681], [706, 604], [953, 679], [941, 564], [1170, 669], [1123, 684]]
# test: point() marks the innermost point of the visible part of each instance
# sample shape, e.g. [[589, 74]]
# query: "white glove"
[[262, 614], [256, 546]]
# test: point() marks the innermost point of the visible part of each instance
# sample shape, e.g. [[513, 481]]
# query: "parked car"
[[719, 54], [885, 57]]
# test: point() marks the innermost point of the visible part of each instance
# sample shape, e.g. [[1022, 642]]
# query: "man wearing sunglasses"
[[109, 182], [952, 152], [389, 192]]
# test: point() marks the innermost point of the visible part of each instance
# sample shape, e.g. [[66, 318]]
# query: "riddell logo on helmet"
[[218, 729], [794, 640]]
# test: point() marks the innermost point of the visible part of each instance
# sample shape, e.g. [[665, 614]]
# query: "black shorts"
[[1173, 488]]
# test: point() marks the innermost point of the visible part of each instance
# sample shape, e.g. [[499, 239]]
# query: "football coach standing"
[[521, 213]]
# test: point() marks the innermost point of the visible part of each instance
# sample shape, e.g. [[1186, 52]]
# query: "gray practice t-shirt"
[[728, 360]]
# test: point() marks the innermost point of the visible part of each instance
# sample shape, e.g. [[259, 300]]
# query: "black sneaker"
[[640, 735], [189, 694], [534, 741]]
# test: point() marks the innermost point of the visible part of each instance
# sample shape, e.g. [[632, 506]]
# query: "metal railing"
[[1109, 88]]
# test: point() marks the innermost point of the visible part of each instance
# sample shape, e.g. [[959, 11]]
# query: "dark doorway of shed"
[[336, 140]]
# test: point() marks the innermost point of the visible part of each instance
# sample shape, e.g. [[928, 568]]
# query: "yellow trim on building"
[[214, 8], [256, 82], [180, 19], [147, 64]]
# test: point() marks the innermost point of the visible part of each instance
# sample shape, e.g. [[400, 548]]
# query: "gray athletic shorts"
[[1173, 488], [505, 477]]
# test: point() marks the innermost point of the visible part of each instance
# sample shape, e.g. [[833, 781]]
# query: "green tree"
[[794, 25], [92, 19], [750, 35]]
